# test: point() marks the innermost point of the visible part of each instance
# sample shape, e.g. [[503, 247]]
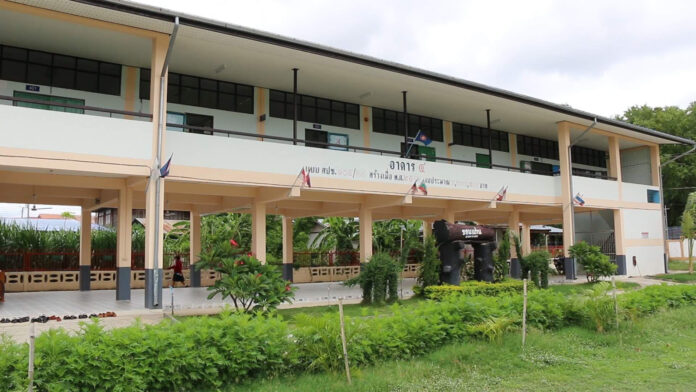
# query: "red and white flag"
[[305, 178], [500, 196]]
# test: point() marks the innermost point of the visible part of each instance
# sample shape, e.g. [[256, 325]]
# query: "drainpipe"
[[490, 138], [662, 203], [572, 197], [294, 106], [158, 163]]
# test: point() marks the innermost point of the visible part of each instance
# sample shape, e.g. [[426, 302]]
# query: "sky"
[[598, 56]]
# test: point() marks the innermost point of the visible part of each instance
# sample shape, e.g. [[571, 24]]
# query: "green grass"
[[656, 355], [354, 310], [681, 278], [575, 288], [678, 265]]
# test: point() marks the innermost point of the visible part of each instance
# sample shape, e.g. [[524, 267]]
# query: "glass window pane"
[[337, 106], [13, 70], [145, 91], [277, 109], [8, 52], [227, 102], [172, 78], [208, 84], [39, 57], [278, 96], [208, 99], [87, 65], [245, 104], [352, 121], [65, 78], [189, 96], [175, 118], [351, 108], [39, 74], [110, 84], [229, 88], [69, 62], [323, 103], [308, 101], [173, 93], [323, 116], [110, 69], [87, 81], [246, 91], [338, 119], [189, 81]]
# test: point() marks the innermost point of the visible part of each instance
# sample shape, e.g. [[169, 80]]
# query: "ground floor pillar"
[[427, 229], [85, 249], [287, 248], [365, 234], [194, 247], [514, 229], [123, 244], [258, 231], [619, 243], [154, 219], [526, 239]]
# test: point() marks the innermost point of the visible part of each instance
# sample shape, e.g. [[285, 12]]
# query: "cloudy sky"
[[598, 56]]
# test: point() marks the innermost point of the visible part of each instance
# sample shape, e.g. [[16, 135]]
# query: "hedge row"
[[209, 352], [472, 288]]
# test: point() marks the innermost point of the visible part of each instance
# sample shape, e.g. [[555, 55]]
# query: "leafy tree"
[[429, 268], [535, 264], [501, 257], [688, 225], [678, 177], [252, 286], [338, 233], [595, 263], [379, 279]]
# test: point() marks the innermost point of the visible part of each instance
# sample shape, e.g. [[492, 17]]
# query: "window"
[[207, 93], [176, 118], [392, 122], [473, 136], [199, 120], [589, 156], [537, 147], [653, 196], [313, 135], [314, 110], [49, 99], [419, 152], [483, 160], [48, 69]]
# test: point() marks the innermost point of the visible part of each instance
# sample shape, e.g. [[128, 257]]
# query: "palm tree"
[[338, 234]]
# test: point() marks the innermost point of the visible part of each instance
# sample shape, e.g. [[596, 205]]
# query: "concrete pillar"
[[449, 216], [427, 229], [619, 242], [194, 246], [258, 231], [563, 143], [85, 249], [365, 234], [514, 228], [655, 165], [287, 248], [123, 244], [526, 239], [153, 257]]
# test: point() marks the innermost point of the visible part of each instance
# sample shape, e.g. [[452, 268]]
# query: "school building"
[[96, 96]]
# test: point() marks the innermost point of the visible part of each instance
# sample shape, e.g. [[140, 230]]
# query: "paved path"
[[189, 300]]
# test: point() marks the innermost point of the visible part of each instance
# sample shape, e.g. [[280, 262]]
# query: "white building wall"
[[643, 227], [593, 188], [637, 192]]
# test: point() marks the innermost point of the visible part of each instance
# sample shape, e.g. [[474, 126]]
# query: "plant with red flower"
[[234, 243]]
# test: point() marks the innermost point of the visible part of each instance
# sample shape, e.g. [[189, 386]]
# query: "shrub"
[[595, 263], [472, 288], [251, 285], [429, 269], [598, 307], [536, 264], [379, 279], [501, 257]]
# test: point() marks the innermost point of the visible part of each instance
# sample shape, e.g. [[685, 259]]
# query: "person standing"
[[178, 268]]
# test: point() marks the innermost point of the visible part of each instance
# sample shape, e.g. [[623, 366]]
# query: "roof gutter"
[[238, 31]]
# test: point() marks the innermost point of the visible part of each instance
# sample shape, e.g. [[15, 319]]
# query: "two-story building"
[[96, 95]]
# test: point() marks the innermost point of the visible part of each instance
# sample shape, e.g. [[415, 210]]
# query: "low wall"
[[106, 280], [679, 249]]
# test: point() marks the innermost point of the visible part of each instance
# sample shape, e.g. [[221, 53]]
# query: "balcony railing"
[[210, 130]]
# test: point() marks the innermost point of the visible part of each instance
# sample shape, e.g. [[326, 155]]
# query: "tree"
[[429, 268], [679, 178], [501, 257], [338, 233], [67, 215], [379, 279], [688, 224], [595, 263]]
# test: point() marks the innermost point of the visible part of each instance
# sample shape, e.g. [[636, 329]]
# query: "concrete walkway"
[[188, 301]]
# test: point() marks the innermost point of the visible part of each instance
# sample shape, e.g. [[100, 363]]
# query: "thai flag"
[[501, 193], [305, 178], [164, 170], [423, 188], [578, 200], [422, 137], [414, 188]]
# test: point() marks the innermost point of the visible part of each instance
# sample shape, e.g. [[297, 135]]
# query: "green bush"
[[429, 268], [379, 279], [252, 286], [595, 263], [501, 257], [536, 265], [472, 288]]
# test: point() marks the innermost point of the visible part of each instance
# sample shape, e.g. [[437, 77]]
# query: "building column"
[[365, 234], [288, 248], [258, 231], [568, 219], [85, 249], [123, 244], [427, 229], [194, 246], [526, 239], [512, 143], [449, 216], [655, 165], [615, 171], [153, 257], [514, 228]]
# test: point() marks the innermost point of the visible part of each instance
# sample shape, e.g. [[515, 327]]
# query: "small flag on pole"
[[164, 170], [500, 196], [414, 188], [305, 178], [422, 137], [423, 188], [578, 200]]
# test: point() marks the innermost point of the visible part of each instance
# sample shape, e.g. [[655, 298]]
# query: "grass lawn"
[[575, 288], [355, 310], [656, 355], [678, 265], [681, 278]]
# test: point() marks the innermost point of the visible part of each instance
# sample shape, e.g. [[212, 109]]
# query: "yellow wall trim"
[[366, 128]]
